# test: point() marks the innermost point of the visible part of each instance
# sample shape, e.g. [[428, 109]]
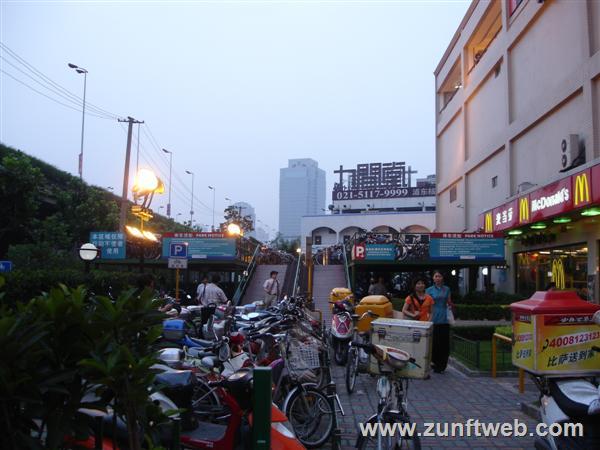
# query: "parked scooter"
[[342, 329], [571, 401]]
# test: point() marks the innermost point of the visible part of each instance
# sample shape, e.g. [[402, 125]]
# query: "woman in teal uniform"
[[439, 316]]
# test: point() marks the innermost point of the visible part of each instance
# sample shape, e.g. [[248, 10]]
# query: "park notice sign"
[[209, 246], [467, 247], [5, 266], [111, 244]]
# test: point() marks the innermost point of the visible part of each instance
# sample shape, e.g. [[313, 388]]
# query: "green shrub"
[[493, 298], [482, 312], [505, 331], [476, 333], [23, 285]]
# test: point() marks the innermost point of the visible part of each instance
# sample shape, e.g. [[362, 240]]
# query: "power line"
[[68, 99], [50, 98], [46, 79]]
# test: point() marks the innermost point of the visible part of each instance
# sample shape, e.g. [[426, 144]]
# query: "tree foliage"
[[232, 215]]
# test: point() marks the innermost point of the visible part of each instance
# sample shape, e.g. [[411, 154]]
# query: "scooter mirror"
[[596, 317]]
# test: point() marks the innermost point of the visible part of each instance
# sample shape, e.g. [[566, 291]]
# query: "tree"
[[285, 245], [233, 214]]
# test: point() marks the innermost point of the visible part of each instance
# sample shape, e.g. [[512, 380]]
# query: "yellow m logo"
[[582, 189], [558, 273], [489, 223], [523, 210]]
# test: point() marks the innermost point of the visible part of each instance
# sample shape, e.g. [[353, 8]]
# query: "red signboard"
[[553, 199], [595, 171], [571, 193], [194, 234], [505, 216], [582, 188]]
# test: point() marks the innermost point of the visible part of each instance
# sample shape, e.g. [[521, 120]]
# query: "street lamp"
[[192, 203], [234, 229], [170, 171], [177, 218], [84, 72], [88, 252], [213, 208]]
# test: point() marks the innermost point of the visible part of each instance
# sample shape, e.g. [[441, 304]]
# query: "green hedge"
[[25, 284], [484, 298], [482, 312], [477, 333], [505, 331]]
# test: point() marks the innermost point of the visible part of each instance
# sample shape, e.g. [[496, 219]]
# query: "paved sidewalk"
[[449, 397]]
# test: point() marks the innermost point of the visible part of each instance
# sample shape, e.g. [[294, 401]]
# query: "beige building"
[[518, 120]]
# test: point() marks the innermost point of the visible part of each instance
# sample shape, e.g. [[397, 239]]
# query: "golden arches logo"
[[523, 209], [582, 189], [558, 273], [489, 223]]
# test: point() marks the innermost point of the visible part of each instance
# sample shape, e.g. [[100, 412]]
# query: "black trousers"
[[441, 346]]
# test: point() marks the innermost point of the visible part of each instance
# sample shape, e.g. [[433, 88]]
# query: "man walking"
[[271, 287], [210, 292]]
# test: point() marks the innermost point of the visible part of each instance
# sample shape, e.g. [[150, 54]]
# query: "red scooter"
[[342, 329]]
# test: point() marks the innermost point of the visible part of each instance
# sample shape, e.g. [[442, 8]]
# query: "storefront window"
[[566, 267]]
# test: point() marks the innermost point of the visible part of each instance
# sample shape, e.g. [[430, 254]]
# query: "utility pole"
[[123, 216]]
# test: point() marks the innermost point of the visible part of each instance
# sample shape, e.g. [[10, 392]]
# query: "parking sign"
[[5, 266], [178, 250]]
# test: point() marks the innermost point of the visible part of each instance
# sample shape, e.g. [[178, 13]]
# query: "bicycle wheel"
[[351, 369], [395, 423], [311, 416]]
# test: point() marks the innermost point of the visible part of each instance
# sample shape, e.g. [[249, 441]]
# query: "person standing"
[[418, 304], [210, 292], [378, 288], [439, 316], [271, 288]]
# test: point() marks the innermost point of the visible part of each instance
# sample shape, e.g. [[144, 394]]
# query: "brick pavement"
[[448, 397]]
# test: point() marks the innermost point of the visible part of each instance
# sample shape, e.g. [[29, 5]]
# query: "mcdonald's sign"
[[524, 210], [489, 223], [582, 189], [558, 273]]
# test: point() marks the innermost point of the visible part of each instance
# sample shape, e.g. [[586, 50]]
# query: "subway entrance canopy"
[[413, 252]]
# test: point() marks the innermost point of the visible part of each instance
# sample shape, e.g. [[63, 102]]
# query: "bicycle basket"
[[302, 357]]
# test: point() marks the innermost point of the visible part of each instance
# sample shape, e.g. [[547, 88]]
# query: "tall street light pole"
[[170, 172], [84, 72], [192, 203], [213, 208]]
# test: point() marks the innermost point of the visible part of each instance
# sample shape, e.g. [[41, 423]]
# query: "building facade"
[[301, 192], [518, 117]]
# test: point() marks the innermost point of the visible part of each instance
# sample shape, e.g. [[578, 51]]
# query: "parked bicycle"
[[392, 405]]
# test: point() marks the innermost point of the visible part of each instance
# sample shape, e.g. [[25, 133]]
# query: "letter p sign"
[[359, 251], [179, 250]]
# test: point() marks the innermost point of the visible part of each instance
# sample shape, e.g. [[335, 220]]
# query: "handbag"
[[450, 316]]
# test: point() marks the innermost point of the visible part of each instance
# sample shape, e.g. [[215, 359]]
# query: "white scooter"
[[570, 401]]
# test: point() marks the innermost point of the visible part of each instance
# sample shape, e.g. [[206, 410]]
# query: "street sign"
[[111, 244], [178, 250], [178, 263], [5, 266]]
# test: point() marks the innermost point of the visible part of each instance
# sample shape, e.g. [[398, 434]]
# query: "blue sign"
[[202, 248], [179, 250], [381, 252], [461, 248], [111, 244], [5, 266]]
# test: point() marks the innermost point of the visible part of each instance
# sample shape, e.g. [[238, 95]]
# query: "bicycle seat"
[[175, 378], [393, 357]]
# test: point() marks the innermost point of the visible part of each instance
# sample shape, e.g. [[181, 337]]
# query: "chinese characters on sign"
[[111, 244], [378, 180]]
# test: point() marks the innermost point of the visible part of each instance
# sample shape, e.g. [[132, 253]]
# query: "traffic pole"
[[261, 409], [177, 284]]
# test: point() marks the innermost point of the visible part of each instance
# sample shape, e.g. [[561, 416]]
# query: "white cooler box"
[[412, 336]]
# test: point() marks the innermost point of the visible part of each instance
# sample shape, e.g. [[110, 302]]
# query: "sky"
[[233, 88]]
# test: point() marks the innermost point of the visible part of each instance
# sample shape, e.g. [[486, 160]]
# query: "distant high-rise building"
[[301, 193], [246, 209]]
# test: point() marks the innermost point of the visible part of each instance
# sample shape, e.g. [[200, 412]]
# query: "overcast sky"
[[233, 88]]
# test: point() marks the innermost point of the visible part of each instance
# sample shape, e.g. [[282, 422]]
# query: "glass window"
[[566, 267]]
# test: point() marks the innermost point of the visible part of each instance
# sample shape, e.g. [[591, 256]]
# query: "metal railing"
[[346, 271], [467, 350], [297, 276], [495, 338], [239, 292]]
